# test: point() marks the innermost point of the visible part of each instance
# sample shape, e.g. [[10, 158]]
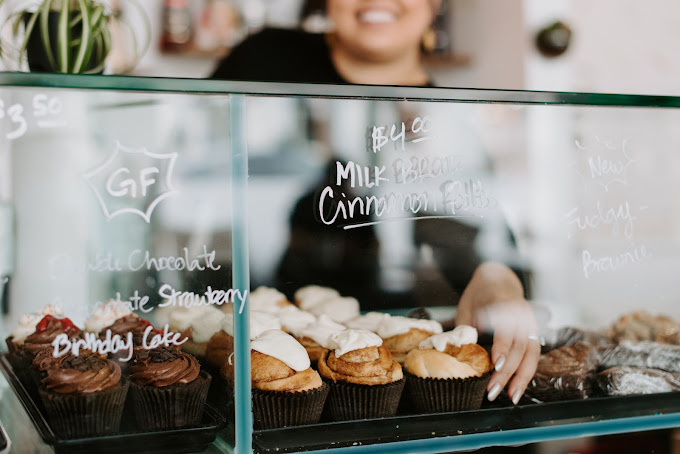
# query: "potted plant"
[[64, 36]]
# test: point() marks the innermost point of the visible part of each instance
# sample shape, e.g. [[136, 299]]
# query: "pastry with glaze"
[[447, 372], [402, 334], [365, 381]]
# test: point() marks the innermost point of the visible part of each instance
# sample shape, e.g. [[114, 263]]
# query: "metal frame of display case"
[[578, 425]]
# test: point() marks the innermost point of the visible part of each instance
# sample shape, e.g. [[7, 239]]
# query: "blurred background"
[[619, 46]]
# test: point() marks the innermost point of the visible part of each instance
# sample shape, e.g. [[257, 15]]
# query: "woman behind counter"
[[378, 42]]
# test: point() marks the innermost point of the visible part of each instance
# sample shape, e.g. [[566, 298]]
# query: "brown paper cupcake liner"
[[348, 401], [438, 395], [172, 406], [273, 409], [77, 415]]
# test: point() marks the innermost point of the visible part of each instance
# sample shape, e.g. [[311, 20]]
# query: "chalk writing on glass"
[[114, 343], [607, 162], [44, 112], [399, 134], [64, 265], [132, 187]]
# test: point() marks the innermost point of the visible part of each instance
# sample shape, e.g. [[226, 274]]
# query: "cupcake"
[[339, 309], [315, 336], [311, 295], [200, 330], [221, 345], [448, 372], [83, 395], [368, 321], [20, 359], [402, 334], [285, 389], [104, 316], [365, 382], [267, 299], [293, 320], [168, 388]]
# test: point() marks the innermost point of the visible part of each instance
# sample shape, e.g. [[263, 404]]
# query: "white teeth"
[[377, 17]]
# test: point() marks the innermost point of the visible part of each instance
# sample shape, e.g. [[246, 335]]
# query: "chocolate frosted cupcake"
[[286, 391], [17, 355], [448, 372], [365, 382], [83, 395], [168, 388]]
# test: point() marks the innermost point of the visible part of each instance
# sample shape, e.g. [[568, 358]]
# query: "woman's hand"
[[494, 301]]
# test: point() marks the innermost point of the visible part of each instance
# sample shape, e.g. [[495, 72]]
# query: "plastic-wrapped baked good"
[[565, 373], [642, 326], [569, 335], [653, 355], [625, 380]]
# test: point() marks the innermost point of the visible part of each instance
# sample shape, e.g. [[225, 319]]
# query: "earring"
[[429, 40]]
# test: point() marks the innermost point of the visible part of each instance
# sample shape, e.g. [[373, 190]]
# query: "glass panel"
[[408, 208], [117, 262]]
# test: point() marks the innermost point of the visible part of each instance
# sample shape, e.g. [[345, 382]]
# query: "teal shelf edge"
[[367, 92], [521, 436]]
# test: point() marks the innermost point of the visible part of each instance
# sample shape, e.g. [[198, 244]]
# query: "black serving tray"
[[128, 440], [496, 417]]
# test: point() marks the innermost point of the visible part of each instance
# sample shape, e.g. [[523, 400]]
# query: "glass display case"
[[221, 266]]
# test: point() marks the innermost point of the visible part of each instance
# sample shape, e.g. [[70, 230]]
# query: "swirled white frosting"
[[181, 317], [259, 323], [267, 299], [205, 325], [320, 330], [368, 321], [293, 320], [353, 339], [312, 295], [283, 347], [28, 322], [339, 309], [105, 315], [393, 326], [461, 335]]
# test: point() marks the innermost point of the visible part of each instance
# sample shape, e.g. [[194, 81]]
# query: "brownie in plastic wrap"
[[565, 373], [643, 326], [652, 355], [626, 380], [569, 335]]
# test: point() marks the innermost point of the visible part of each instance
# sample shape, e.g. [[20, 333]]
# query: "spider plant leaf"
[[64, 37], [85, 48], [28, 31], [44, 11], [99, 53]]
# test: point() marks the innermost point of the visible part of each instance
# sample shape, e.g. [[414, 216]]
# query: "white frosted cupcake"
[[339, 308], [315, 337], [293, 319], [268, 299], [200, 330], [220, 347], [403, 334], [369, 321], [106, 315], [311, 295]]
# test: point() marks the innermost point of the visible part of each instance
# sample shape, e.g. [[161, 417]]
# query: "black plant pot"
[[36, 55]]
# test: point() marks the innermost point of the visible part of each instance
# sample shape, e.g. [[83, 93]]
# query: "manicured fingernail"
[[516, 397], [495, 391], [499, 363]]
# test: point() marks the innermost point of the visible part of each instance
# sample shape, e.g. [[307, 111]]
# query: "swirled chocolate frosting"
[[47, 330], [164, 366], [82, 374], [128, 324]]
